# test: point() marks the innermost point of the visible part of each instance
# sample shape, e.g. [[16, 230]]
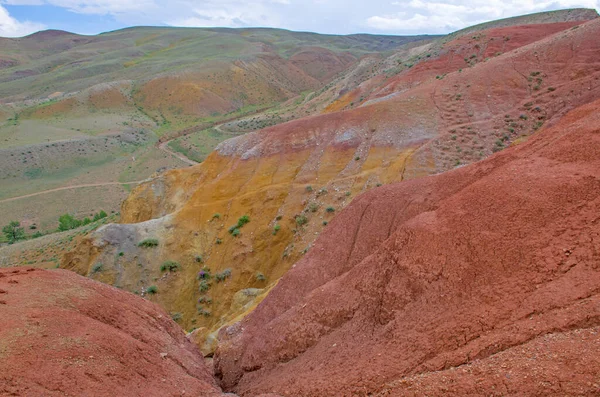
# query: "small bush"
[[204, 274], [313, 207], [325, 223], [216, 216], [330, 209], [170, 266], [152, 289], [236, 232], [148, 243], [243, 220], [121, 253], [218, 241], [97, 268], [176, 316], [260, 277], [276, 228], [204, 299], [204, 286], [224, 275], [301, 220], [203, 312], [199, 259], [309, 189]]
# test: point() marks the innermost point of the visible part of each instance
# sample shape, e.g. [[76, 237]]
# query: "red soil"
[[482, 280], [64, 335]]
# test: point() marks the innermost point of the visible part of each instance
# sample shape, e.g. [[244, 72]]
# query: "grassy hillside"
[[94, 110]]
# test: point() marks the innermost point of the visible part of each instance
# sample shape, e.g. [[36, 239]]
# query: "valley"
[[294, 214]]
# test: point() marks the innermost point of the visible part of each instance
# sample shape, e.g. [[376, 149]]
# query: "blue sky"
[[21, 17]]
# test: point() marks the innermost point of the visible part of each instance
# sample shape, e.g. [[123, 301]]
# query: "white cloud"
[[231, 13], [10, 27], [323, 16], [447, 15]]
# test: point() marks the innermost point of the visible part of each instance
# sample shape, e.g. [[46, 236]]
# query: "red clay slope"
[[64, 335], [482, 280]]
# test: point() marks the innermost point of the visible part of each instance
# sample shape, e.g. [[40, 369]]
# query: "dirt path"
[[165, 147], [72, 187]]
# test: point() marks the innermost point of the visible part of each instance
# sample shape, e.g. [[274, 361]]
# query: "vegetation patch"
[[148, 243]]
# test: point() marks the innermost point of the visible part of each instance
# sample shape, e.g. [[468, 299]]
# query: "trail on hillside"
[[72, 187], [165, 147]]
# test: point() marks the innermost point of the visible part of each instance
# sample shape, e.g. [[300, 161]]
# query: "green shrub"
[[325, 223], [205, 299], [260, 277], [243, 220], [97, 268], [152, 289], [218, 241], [236, 232], [199, 259], [100, 215], [148, 243], [225, 274], [204, 285], [68, 222], [203, 312], [301, 220], [330, 209], [176, 316], [276, 228], [170, 266], [216, 216], [121, 253], [309, 189], [313, 207]]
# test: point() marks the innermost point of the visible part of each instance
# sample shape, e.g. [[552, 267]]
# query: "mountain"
[[448, 110], [103, 110]]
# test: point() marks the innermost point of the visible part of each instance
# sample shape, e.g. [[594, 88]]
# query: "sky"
[[22, 17]]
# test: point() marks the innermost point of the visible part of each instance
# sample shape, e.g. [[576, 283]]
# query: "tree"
[[100, 215], [68, 222], [13, 232]]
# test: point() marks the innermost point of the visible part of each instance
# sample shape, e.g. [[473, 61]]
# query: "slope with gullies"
[[291, 179], [481, 280]]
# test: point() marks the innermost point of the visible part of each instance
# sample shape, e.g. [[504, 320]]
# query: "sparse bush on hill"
[[68, 222], [97, 268], [276, 228], [235, 229], [301, 220], [148, 243], [225, 274], [152, 289], [260, 277], [204, 286], [170, 266]]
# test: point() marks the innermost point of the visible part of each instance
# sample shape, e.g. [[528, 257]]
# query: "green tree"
[[13, 231], [68, 222], [100, 215]]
